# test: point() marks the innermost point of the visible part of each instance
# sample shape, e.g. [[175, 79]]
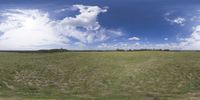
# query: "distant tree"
[[52, 50], [120, 50], [166, 50]]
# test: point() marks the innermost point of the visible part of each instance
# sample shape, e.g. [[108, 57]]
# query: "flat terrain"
[[149, 75]]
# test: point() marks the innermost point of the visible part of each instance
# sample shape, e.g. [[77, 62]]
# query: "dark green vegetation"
[[145, 75]]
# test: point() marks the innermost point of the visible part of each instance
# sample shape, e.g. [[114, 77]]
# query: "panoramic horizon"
[[100, 24], [99, 49]]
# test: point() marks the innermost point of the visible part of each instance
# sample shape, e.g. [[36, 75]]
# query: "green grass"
[[100, 76]]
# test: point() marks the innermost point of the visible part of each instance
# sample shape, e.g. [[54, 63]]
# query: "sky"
[[99, 24]]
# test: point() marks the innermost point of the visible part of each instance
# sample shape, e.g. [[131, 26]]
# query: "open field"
[[148, 75]]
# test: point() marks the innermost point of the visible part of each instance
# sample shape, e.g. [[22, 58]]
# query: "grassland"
[[100, 76]]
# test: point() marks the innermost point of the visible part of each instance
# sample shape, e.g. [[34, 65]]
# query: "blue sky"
[[99, 24]]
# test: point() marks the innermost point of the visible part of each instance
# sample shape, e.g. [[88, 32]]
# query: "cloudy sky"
[[99, 24]]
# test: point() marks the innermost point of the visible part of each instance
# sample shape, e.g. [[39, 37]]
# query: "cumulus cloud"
[[33, 29], [134, 38], [193, 41], [27, 29]]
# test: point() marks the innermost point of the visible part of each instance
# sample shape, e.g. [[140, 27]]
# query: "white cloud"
[[179, 20], [111, 46], [85, 26], [68, 8], [137, 45], [134, 38], [27, 29], [174, 20], [192, 42], [166, 39], [33, 29]]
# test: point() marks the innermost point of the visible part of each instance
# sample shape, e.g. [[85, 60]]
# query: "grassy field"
[[149, 75]]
